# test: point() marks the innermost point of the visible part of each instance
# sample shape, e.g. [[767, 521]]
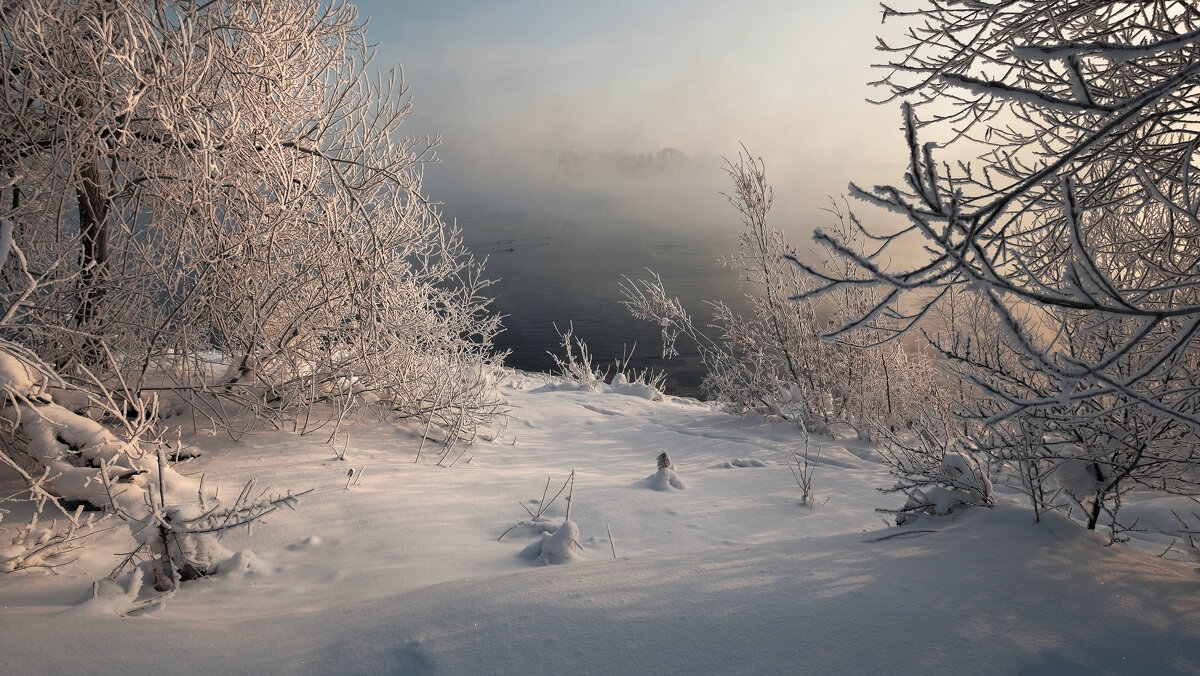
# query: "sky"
[[510, 80]]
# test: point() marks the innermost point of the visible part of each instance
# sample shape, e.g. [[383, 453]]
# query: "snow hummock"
[[110, 597], [558, 546], [665, 479], [407, 572], [742, 463]]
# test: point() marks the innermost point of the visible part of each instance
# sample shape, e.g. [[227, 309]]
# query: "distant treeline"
[[662, 162]]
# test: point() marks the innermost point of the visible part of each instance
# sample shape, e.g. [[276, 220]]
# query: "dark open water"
[[565, 266]]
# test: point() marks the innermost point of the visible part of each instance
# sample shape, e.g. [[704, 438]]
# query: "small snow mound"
[[944, 500], [518, 381], [969, 487], [648, 392], [243, 563], [664, 479], [1077, 476], [561, 546], [110, 598], [741, 463], [307, 543]]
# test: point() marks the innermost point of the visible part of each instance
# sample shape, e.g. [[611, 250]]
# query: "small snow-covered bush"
[[33, 545], [936, 473], [803, 467], [576, 366], [539, 522], [646, 382]]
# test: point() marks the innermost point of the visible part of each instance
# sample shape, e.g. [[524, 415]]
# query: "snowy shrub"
[[803, 468], [647, 383], [936, 474], [557, 541], [576, 366], [185, 237], [33, 545], [778, 362]]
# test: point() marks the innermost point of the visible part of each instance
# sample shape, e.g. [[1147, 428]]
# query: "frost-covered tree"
[[209, 210], [1077, 229], [212, 204]]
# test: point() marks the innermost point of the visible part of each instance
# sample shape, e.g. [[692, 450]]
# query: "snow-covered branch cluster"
[[70, 462], [1075, 236]]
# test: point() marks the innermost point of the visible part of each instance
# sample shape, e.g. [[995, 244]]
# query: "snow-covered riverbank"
[[405, 570]]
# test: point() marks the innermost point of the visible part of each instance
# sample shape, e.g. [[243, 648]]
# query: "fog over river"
[[558, 255]]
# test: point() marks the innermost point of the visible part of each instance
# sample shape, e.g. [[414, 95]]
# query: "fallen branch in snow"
[[34, 547], [82, 462], [900, 535]]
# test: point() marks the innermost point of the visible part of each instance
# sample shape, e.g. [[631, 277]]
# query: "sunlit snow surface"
[[402, 573]]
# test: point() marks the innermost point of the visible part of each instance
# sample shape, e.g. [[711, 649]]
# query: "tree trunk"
[[1098, 501], [887, 389], [93, 256]]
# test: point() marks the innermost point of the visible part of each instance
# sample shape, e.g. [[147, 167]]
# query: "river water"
[[564, 267]]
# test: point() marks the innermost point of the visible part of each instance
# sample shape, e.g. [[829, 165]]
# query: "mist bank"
[[665, 188]]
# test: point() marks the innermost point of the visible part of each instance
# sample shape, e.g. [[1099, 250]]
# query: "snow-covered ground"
[[403, 572]]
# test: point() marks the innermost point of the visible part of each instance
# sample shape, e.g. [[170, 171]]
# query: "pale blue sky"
[[785, 77]]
